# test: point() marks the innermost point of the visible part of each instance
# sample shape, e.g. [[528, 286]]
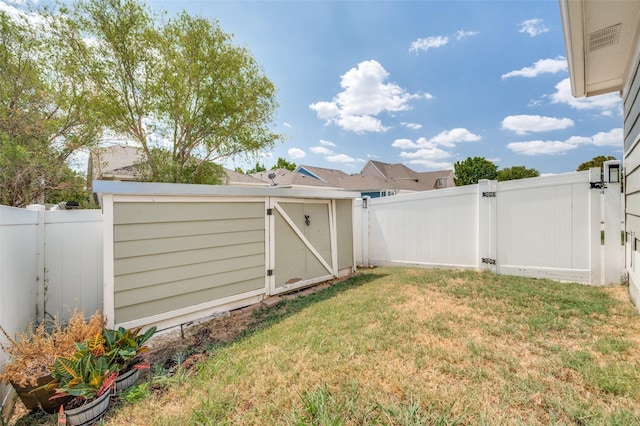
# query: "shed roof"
[[102, 187]]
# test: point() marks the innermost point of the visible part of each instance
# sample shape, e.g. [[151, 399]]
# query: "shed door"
[[303, 241]]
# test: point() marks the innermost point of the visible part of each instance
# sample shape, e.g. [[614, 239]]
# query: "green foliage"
[[516, 172], [181, 88], [122, 346], [86, 374], [597, 161], [284, 164], [257, 169], [472, 170], [45, 113], [136, 393], [168, 170]]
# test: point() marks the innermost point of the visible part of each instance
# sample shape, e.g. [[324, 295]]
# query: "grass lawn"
[[400, 346]]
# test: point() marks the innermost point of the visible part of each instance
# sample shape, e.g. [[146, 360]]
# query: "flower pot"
[[41, 397], [127, 379], [90, 412]]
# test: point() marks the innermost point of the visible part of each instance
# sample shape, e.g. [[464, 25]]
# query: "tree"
[[182, 90], [594, 162], [516, 172], [257, 169], [44, 114], [472, 170], [284, 164]]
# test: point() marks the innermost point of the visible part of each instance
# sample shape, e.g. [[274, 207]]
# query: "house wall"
[[632, 177]]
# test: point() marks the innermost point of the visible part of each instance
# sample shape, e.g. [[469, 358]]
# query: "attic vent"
[[604, 38]]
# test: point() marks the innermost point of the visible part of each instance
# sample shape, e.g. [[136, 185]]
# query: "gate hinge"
[[269, 272], [488, 261], [597, 185], [491, 194], [269, 212]]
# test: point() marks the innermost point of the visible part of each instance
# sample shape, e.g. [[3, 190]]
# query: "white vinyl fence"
[[50, 264], [546, 227]]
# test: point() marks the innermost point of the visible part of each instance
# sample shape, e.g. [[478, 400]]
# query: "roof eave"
[[572, 15]]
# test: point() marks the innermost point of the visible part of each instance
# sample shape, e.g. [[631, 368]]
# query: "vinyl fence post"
[[41, 287], [486, 225], [594, 228], [612, 220]]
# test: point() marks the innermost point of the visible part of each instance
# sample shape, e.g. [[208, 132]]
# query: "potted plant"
[[86, 378], [123, 350], [30, 355]]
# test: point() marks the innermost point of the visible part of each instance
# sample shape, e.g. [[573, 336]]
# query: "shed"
[[175, 253]]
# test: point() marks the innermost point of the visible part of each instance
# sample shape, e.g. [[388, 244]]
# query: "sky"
[[424, 83]]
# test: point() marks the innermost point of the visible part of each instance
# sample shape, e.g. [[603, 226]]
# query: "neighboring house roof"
[[379, 176], [235, 178], [284, 177], [601, 39], [116, 162], [113, 162]]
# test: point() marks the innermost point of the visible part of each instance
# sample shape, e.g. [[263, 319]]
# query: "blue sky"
[[425, 83]]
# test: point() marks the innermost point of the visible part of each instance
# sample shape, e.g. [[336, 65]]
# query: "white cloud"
[[543, 66], [365, 94], [533, 27], [427, 43], [361, 124], [451, 137], [614, 138], [541, 147], [426, 153], [523, 124], [320, 150], [463, 34], [607, 103], [296, 153], [405, 144], [326, 110], [326, 143], [412, 126], [343, 158], [285, 124], [432, 165]]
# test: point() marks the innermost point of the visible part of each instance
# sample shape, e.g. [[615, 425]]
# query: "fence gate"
[[303, 241]]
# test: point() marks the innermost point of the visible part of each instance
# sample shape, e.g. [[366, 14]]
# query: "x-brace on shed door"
[[303, 243]]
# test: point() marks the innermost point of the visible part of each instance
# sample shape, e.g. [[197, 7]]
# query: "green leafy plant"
[[86, 374], [137, 393], [123, 347]]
